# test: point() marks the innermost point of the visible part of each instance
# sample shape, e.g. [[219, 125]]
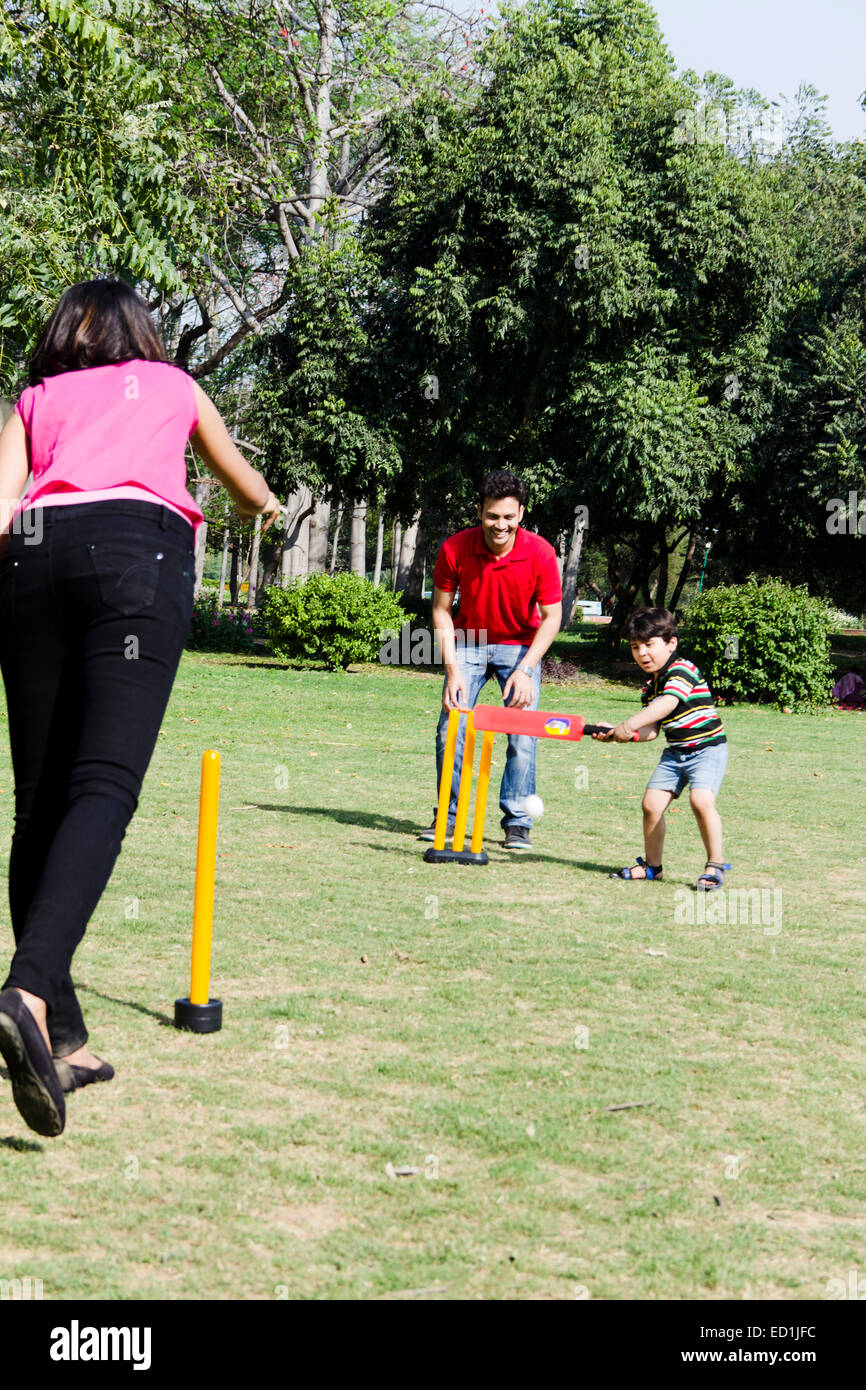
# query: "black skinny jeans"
[[93, 619]]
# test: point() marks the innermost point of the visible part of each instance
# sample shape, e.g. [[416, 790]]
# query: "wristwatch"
[[527, 670]]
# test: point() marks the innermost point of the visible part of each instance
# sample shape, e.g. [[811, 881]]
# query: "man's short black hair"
[[501, 483], [651, 622]]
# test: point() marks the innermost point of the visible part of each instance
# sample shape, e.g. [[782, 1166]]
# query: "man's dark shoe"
[[36, 1088], [430, 833], [517, 837]]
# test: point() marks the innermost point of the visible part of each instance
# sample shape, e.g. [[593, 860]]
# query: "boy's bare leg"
[[709, 821], [655, 803]]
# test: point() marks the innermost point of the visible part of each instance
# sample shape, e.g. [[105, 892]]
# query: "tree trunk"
[[569, 578], [380, 546], [320, 523], [684, 572], [408, 547], [662, 581], [396, 538], [269, 573], [358, 540], [337, 524], [296, 547], [625, 592], [235, 569], [202, 492], [224, 560], [415, 570], [254, 563]]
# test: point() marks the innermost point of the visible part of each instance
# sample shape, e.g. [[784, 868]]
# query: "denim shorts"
[[703, 768]]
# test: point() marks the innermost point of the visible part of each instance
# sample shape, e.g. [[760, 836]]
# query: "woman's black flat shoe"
[[72, 1078], [36, 1088]]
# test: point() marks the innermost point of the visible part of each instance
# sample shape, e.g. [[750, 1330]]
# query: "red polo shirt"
[[499, 593]]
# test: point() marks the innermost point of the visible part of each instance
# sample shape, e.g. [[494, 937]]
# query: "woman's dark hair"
[[651, 622], [501, 483], [94, 324]]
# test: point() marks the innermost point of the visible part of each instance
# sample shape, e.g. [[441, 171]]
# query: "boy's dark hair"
[[501, 483], [95, 323], [651, 622]]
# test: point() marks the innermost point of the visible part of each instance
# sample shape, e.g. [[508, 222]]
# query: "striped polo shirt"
[[694, 723]]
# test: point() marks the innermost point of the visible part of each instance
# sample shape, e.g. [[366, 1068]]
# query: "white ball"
[[533, 806]]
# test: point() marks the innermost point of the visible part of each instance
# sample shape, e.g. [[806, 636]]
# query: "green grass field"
[[475, 1024]]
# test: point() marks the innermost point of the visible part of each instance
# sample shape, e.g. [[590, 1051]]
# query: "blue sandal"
[[709, 881], [651, 872]]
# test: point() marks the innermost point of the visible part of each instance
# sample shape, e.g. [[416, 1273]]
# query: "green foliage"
[[88, 163], [315, 383], [215, 629], [589, 295], [762, 640], [335, 619]]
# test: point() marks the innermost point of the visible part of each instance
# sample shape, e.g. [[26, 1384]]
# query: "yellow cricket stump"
[[438, 854], [199, 1012]]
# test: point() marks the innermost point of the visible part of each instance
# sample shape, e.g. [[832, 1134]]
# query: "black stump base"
[[198, 1018], [455, 856]]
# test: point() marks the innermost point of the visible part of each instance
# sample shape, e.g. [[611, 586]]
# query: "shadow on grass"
[[21, 1146], [375, 821], [369, 820], [162, 1019], [507, 857]]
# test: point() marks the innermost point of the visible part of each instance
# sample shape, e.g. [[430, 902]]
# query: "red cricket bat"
[[536, 723]]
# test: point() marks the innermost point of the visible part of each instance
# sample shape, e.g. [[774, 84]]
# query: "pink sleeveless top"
[[111, 432]]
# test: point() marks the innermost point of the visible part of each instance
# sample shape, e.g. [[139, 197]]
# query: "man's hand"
[[622, 733], [454, 695], [605, 732], [519, 688]]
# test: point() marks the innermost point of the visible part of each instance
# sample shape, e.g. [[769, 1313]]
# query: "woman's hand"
[[272, 509]]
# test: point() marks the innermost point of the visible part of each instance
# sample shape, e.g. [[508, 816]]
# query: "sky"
[[774, 45]]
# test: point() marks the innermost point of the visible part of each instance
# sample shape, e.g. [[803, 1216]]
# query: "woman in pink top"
[[96, 591]]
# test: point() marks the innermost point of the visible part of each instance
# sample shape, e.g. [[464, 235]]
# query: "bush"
[[336, 620], [763, 641], [215, 629]]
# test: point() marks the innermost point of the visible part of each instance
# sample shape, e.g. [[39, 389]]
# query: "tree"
[[285, 102], [570, 289], [809, 454], [88, 135]]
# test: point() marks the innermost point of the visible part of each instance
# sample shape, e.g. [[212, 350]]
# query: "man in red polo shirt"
[[510, 611]]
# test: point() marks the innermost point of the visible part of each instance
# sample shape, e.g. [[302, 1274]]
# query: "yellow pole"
[[205, 870], [441, 827], [481, 787], [465, 789]]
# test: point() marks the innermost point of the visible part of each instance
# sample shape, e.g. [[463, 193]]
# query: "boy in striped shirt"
[[676, 698]]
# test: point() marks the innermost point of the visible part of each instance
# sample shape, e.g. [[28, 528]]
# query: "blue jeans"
[[93, 620], [477, 664]]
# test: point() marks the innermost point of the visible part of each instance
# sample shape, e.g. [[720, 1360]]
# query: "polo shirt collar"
[[660, 674]]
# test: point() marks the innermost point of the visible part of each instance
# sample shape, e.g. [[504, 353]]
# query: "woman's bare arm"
[[218, 451]]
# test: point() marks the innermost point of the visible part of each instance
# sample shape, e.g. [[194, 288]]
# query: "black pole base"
[[198, 1018], [455, 856]]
